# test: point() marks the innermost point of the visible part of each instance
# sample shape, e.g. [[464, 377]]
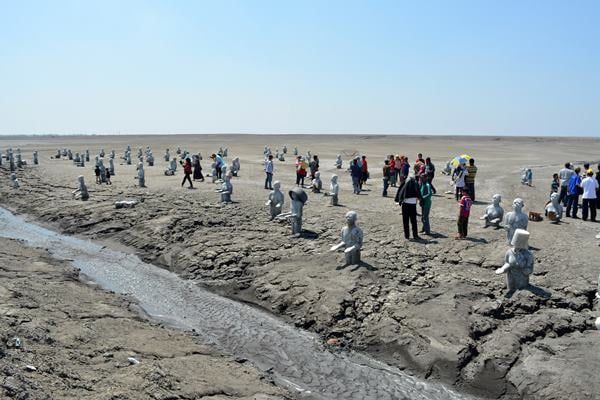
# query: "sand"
[[434, 308]]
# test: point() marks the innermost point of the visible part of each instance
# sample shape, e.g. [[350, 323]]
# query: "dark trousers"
[[269, 180], [471, 187], [409, 214], [386, 184], [299, 179], [459, 192], [187, 178], [591, 205], [563, 197], [431, 184], [572, 204], [463, 224]]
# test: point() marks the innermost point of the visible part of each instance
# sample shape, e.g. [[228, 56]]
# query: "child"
[[108, 182], [97, 172], [464, 211]]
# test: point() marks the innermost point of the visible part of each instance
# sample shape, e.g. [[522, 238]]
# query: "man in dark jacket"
[[408, 196]]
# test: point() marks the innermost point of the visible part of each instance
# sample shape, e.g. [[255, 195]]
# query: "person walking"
[[564, 175], [356, 174], [365, 171], [269, 172], [398, 167], [407, 197], [589, 185], [470, 178], [197, 169], [392, 164], [386, 176], [313, 166], [573, 192], [464, 211], [426, 194], [187, 171]]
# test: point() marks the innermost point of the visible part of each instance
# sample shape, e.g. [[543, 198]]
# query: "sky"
[[338, 67]]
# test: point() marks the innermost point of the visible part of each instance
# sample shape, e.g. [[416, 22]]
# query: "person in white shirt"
[[269, 172], [589, 185], [564, 175]]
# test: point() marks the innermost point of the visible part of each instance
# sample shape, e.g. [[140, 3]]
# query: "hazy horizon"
[[465, 68]]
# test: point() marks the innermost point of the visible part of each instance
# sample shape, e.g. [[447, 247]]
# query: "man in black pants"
[[407, 196]]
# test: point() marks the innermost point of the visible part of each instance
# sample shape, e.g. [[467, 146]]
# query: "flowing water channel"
[[294, 357]]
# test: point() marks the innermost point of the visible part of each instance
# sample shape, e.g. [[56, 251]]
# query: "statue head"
[[276, 186], [80, 179], [297, 194], [334, 179], [554, 198], [317, 174], [496, 199], [518, 204], [351, 217], [13, 177], [140, 165], [520, 239]]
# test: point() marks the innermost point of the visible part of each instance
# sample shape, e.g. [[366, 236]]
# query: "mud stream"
[[294, 357]]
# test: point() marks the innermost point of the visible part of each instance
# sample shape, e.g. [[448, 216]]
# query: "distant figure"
[[527, 177], [269, 172], [356, 174], [301, 171], [470, 178], [430, 171], [426, 194], [314, 166], [573, 192], [365, 171], [589, 185], [555, 185], [187, 172], [386, 177], [197, 169], [464, 211], [407, 197], [458, 176]]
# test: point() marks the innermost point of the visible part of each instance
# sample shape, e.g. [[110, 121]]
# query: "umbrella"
[[462, 159]]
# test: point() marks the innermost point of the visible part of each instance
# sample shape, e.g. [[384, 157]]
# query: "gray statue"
[[494, 213], [150, 159], [334, 190], [35, 158], [225, 152], [317, 184], [515, 219], [352, 240], [223, 170], [87, 156], [281, 157], [178, 150], [235, 166], [14, 181], [70, 155], [275, 201], [19, 160], [56, 156], [111, 166], [128, 158], [141, 177], [173, 165], [226, 189], [140, 153], [299, 198], [82, 191], [102, 170], [518, 262], [554, 209], [102, 154], [266, 151], [213, 172], [338, 162], [112, 154], [167, 155], [295, 151], [284, 149]]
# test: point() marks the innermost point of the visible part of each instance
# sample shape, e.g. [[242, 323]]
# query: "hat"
[[298, 194], [520, 239]]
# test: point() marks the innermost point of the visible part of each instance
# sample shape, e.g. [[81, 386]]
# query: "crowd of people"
[[571, 183]]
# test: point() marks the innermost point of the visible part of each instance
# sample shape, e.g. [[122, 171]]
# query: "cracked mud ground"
[[435, 308], [80, 338]]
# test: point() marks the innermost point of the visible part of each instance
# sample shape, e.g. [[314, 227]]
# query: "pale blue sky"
[[422, 67]]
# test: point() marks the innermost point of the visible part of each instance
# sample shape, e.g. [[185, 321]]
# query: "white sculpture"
[[299, 198], [352, 240], [141, 177], [554, 209], [226, 189], [515, 219], [275, 200], [35, 158], [518, 262], [167, 155], [494, 213], [334, 190], [14, 181], [235, 166], [317, 184], [111, 166], [82, 191], [295, 151], [338, 162]]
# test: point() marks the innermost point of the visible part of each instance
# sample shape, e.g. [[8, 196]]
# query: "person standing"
[[573, 192], [386, 176], [313, 166], [407, 196], [356, 174], [470, 178], [392, 164], [426, 194], [197, 169], [269, 172], [430, 171], [554, 185], [589, 185], [458, 176], [464, 211], [564, 175], [365, 171], [187, 171], [398, 167]]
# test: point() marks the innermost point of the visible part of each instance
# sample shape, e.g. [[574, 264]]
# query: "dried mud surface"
[[435, 308], [79, 339]]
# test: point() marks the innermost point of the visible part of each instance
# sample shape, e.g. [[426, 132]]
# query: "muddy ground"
[[434, 307], [75, 342]]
